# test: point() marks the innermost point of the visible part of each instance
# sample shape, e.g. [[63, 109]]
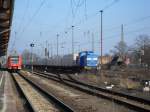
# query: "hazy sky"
[[40, 20]]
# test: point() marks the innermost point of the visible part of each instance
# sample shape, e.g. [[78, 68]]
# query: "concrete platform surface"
[[7, 97]]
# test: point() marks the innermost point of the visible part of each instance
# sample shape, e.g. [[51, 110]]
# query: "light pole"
[[101, 38], [93, 42], [79, 47], [51, 47], [47, 52], [32, 45], [72, 39], [62, 47], [57, 43]]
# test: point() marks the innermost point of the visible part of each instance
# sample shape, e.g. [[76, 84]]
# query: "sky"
[[40, 21]]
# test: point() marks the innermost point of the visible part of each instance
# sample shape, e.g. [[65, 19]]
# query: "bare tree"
[[141, 50], [143, 46], [120, 49], [142, 41]]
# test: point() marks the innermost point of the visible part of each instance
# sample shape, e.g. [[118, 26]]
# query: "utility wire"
[[19, 27], [110, 5], [78, 4], [14, 42], [128, 32], [132, 22], [129, 23], [29, 22], [24, 15], [85, 9], [92, 15], [33, 16], [74, 7], [117, 35], [138, 20]]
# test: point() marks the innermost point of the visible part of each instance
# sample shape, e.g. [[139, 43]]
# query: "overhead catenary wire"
[[78, 4], [82, 21], [14, 42], [74, 7], [28, 23], [110, 5], [20, 25], [106, 7], [85, 10], [24, 15], [127, 33], [132, 22], [115, 36], [33, 16], [129, 23], [91, 16]]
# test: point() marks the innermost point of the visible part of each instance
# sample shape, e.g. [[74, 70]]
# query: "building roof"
[[6, 13]]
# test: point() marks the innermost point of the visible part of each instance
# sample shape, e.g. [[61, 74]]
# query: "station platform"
[[9, 100]]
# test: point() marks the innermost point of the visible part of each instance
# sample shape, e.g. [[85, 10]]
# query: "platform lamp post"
[[32, 45]]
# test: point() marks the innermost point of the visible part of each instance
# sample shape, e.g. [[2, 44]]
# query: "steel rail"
[[48, 95], [142, 104]]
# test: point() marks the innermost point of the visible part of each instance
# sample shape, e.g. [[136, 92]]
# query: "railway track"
[[39, 100], [136, 103]]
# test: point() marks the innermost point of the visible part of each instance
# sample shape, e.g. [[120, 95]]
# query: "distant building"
[[105, 59]]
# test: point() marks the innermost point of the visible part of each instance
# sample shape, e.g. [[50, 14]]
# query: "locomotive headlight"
[[94, 58], [89, 58]]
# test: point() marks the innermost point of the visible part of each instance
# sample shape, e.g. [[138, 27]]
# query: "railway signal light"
[[31, 45]]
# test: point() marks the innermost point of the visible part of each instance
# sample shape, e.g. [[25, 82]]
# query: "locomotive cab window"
[[15, 59]]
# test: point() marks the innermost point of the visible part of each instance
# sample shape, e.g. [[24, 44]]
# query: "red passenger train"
[[14, 62]]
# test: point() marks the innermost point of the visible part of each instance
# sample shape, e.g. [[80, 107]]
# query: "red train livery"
[[14, 62]]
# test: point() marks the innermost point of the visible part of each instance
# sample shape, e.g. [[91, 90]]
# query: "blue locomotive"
[[88, 59]]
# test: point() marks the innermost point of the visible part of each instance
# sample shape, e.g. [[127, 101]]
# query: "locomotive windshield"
[[14, 59]]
